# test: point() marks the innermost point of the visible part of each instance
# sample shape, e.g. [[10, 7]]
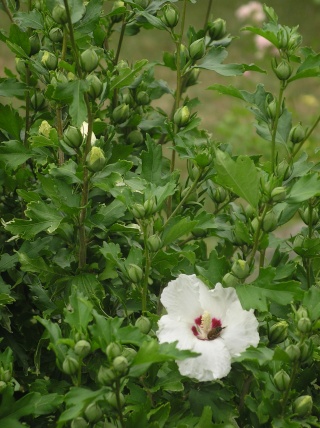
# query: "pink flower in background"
[[252, 10], [209, 322], [262, 45]]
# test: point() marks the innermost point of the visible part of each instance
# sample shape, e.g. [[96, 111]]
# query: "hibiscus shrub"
[[131, 296]]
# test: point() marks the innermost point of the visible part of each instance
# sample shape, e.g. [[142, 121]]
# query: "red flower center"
[[206, 328]]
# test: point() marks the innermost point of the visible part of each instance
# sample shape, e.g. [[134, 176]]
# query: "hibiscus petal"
[[170, 330], [213, 363], [218, 300], [181, 297]]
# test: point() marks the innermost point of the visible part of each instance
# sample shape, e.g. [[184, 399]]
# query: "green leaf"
[[31, 19], [311, 302], [14, 153], [11, 88], [19, 40], [73, 93], [8, 261], [159, 415], [269, 33], [205, 420], [104, 330], [42, 217], [151, 162], [153, 20], [89, 285], [176, 228], [214, 269], [127, 75], [264, 289], [108, 214], [241, 176], [305, 188], [39, 266], [262, 355], [78, 314]]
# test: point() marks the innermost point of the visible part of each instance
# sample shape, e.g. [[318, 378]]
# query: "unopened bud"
[[283, 38], [150, 206], [93, 412], [304, 325], [138, 211], [240, 269], [95, 159], [120, 365], [49, 60], [217, 29], [135, 138], [121, 113], [270, 222], [143, 324], [230, 280], [272, 109], [283, 70], [38, 101], [111, 398], [302, 406], [82, 348], [278, 194], [301, 313], [284, 170], [34, 44], [113, 350], [79, 422], [293, 352], [281, 380], [70, 365], [306, 350], [170, 16], [73, 137], [278, 332], [106, 376], [59, 14], [45, 128], [297, 134], [89, 60], [142, 98], [197, 49], [56, 35], [309, 217], [95, 86], [118, 16], [191, 78], [182, 116], [130, 354], [154, 243], [135, 273]]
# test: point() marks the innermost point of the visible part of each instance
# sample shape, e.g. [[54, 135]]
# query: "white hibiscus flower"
[[84, 132], [209, 322]]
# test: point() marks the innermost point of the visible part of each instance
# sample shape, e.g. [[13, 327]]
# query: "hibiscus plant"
[[144, 281]]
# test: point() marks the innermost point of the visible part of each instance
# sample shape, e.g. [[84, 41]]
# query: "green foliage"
[[106, 197]]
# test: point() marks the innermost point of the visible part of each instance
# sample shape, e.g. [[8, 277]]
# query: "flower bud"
[[306, 218], [38, 101], [121, 113], [95, 86], [135, 273], [204, 158], [283, 38], [95, 159], [79, 422], [170, 16], [106, 376], [197, 49], [184, 56], [191, 78], [120, 365], [138, 211], [70, 365], [3, 385], [293, 352], [240, 269], [150, 206], [59, 14], [154, 243], [278, 194], [127, 98], [113, 350], [130, 354], [56, 35], [45, 128], [49, 60], [89, 60], [219, 195], [284, 170], [270, 222], [93, 413], [230, 280], [117, 5], [217, 29], [111, 398], [278, 332], [143, 324], [306, 350], [302, 406], [283, 70], [301, 313], [5, 375], [73, 137], [135, 138], [272, 109], [182, 116], [82, 348], [34, 44], [281, 380], [297, 134], [143, 98], [304, 325]]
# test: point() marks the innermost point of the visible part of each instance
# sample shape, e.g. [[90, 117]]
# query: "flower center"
[[207, 328]]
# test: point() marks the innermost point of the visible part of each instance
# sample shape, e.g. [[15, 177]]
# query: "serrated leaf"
[[108, 214], [31, 19], [305, 188], [14, 153], [39, 266], [8, 261], [214, 269], [11, 88], [127, 75], [78, 314], [241, 176], [151, 162], [20, 39], [176, 228]]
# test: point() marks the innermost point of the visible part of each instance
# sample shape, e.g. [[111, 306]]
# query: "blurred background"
[[226, 118]]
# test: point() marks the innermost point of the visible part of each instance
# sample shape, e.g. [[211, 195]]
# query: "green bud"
[[283, 38], [95, 159], [20, 66], [111, 398], [113, 350], [197, 49], [230, 280], [34, 44], [302, 406], [305, 216], [121, 113], [240, 269], [219, 195], [278, 194], [306, 350], [250, 211], [89, 60], [284, 170], [130, 354], [301, 313], [3, 385], [45, 128], [95, 86], [297, 134], [120, 365], [272, 109], [117, 5], [154, 243], [79, 423], [127, 99], [82, 348], [135, 273], [56, 35], [93, 412], [278, 332], [281, 380], [184, 56], [304, 325], [70, 365], [283, 70], [38, 101], [293, 352], [135, 138], [49, 60], [106, 376], [73, 137], [6, 375], [204, 158], [59, 14], [182, 116], [150, 206], [138, 211], [270, 222], [191, 78], [170, 15], [217, 29], [143, 324], [143, 98]]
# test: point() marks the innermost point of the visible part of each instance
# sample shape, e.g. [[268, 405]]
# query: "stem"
[[257, 235], [60, 134], [286, 395], [147, 270], [275, 125], [72, 40], [123, 28], [28, 104], [117, 392], [208, 13], [7, 10]]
